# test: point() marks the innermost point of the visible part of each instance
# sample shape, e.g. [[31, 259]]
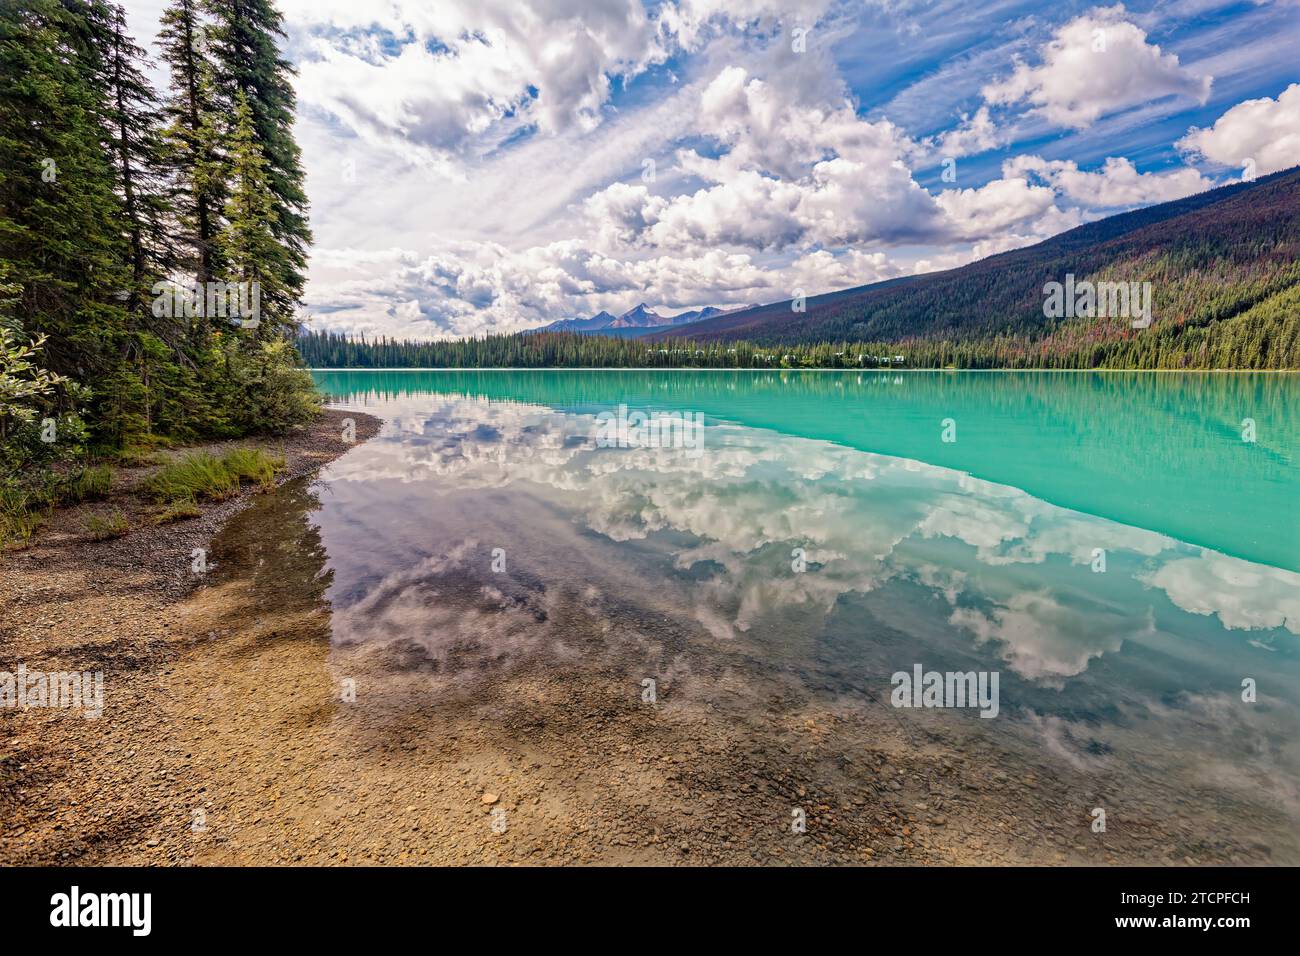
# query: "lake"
[[1112, 557]]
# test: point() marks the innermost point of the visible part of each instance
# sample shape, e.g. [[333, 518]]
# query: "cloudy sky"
[[492, 165]]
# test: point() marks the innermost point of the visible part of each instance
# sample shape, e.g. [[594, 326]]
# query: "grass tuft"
[[103, 527], [203, 475], [91, 483], [178, 511]]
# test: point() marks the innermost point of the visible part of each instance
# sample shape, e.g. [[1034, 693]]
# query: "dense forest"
[[153, 243], [1265, 337]]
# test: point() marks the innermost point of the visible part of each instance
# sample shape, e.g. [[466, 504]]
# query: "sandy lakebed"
[[230, 734]]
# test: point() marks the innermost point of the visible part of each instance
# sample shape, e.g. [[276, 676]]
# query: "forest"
[[1266, 336], [153, 242]]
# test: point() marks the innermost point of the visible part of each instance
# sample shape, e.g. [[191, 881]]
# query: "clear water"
[[1121, 549]]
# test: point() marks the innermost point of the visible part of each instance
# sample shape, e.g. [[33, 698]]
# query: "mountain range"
[[635, 321]]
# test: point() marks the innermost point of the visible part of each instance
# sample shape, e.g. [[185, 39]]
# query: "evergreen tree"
[[248, 64], [137, 153], [193, 136], [247, 243], [59, 213]]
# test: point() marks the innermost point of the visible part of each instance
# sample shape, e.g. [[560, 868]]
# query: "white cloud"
[[1096, 64], [995, 206], [1265, 130], [1117, 183], [975, 134], [432, 78]]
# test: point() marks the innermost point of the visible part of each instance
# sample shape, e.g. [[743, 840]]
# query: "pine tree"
[[193, 136], [248, 64], [247, 242], [137, 155], [59, 213]]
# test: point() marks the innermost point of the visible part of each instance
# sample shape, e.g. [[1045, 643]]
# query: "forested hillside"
[[152, 242], [1223, 266]]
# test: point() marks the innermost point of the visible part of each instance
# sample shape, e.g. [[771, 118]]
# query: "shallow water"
[[1109, 545]]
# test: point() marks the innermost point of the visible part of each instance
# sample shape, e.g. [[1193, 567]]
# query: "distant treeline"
[[1240, 343]]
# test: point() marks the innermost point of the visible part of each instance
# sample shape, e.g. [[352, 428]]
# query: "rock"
[[490, 798]]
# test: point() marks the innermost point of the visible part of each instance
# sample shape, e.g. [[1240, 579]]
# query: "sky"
[[487, 166]]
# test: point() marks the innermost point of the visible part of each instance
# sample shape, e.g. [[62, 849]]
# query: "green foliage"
[[204, 475], [89, 483], [108, 193]]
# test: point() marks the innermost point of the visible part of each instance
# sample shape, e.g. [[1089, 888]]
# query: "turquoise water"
[[1160, 451], [1112, 545]]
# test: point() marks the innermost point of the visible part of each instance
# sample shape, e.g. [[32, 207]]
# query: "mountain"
[[1223, 263], [636, 321], [598, 321], [640, 317]]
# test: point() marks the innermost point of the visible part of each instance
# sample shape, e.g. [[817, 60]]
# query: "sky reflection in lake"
[[905, 562]]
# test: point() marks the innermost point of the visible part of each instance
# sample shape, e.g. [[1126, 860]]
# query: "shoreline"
[[71, 789]]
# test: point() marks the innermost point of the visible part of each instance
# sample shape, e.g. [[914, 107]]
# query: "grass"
[[17, 528], [204, 475], [178, 511], [91, 483], [21, 513], [102, 527]]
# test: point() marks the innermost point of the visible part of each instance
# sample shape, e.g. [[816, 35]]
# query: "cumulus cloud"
[[798, 175], [995, 206], [1116, 183], [1096, 64], [975, 134], [431, 79], [1264, 130]]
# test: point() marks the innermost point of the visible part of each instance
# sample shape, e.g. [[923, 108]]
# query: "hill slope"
[[1230, 253]]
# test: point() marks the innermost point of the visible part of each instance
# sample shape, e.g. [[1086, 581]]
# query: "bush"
[[267, 391]]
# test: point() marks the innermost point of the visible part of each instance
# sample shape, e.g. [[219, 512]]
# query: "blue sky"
[[491, 165]]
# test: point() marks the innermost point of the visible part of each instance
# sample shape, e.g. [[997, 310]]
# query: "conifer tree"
[[248, 63], [247, 243], [193, 136], [59, 214]]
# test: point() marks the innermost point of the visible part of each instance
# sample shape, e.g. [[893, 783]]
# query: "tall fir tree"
[[248, 63], [247, 242], [59, 213], [193, 135], [139, 164]]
